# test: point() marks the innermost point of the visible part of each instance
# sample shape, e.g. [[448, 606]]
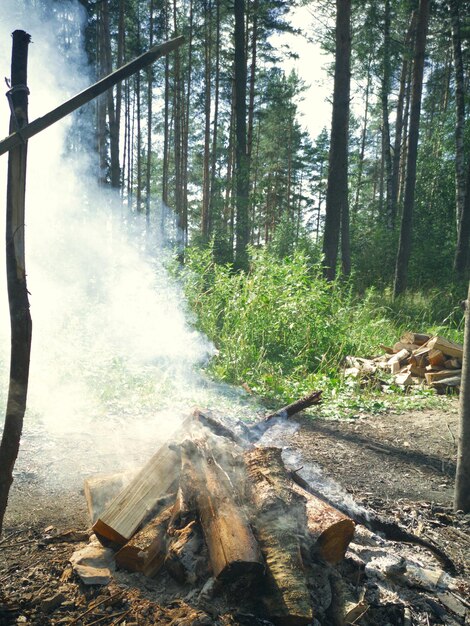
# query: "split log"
[[453, 364], [436, 357], [417, 338], [233, 551], [399, 345], [433, 377], [330, 530], [129, 510], [348, 606], [395, 361], [134, 555], [101, 490], [277, 530], [449, 348]]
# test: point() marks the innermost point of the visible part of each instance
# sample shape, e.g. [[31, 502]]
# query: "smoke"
[[115, 364]]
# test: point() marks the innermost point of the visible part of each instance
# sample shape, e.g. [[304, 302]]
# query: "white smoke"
[[114, 362]]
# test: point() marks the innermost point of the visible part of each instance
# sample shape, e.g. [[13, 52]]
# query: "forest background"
[[294, 250]]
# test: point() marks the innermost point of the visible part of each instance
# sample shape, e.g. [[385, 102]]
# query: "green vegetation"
[[283, 330]]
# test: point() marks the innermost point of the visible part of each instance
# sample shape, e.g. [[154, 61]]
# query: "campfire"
[[224, 516]]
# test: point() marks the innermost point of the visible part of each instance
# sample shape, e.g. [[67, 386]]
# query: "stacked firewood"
[[208, 508], [417, 359]]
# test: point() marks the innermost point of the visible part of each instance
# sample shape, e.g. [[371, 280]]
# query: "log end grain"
[[332, 544]]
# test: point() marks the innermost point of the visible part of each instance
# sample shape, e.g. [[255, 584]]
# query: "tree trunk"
[[363, 142], [337, 211], [400, 124], [463, 238], [404, 246], [20, 318], [385, 91], [460, 181], [205, 219], [148, 169], [115, 171], [242, 163], [462, 478]]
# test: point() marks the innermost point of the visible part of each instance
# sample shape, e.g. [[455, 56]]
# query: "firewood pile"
[[221, 514], [417, 359]]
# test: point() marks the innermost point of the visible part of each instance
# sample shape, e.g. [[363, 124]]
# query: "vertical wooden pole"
[[462, 477], [20, 318]]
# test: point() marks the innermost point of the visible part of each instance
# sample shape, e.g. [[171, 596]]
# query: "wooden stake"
[[20, 318]]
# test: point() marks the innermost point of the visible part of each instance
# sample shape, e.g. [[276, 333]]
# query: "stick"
[[41, 123], [257, 430]]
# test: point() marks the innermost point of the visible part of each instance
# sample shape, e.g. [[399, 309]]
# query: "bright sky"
[[315, 109]]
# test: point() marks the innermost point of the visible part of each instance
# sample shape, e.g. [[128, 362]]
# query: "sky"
[[310, 65]]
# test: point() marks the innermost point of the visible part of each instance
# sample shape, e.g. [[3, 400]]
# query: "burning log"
[[257, 430], [134, 556], [331, 530], [277, 529], [132, 506], [233, 550], [100, 491]]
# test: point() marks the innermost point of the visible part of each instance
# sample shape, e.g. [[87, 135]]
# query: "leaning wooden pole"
[[20, 319], [41, 123]]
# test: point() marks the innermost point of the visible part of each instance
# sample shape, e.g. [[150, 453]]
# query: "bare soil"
[[397, 465]]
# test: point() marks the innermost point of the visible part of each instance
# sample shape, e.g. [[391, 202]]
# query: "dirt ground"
[[397, 465]]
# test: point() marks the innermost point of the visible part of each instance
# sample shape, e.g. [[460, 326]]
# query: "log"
[[134, 555], [101, 490], [257, 430], [330, 530], [395, 361], [186, 557], [404, 378], [433, 377], [233, 550], [449, 348], [129, 510], [436, 357], [277, 529], [453, 364], [399, 345], [417, 338]]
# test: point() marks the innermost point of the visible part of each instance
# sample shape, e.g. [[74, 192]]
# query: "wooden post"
[[462, 478], [20, 318]]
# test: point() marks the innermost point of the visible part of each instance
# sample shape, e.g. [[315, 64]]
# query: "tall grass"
[[282, 329]]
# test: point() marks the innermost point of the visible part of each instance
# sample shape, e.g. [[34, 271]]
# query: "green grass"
[[283, 330]]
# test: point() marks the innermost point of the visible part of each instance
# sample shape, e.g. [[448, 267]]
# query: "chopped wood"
[[277, 530], [387, 349], [436, 357], [330, 530], [401, 355], [453, 364], [134, 503], [233, 550], [133, 555], [101, 490], [449, 348], [417, 338], [404, 378], [432, 377], [397, 347], [416, 370]]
